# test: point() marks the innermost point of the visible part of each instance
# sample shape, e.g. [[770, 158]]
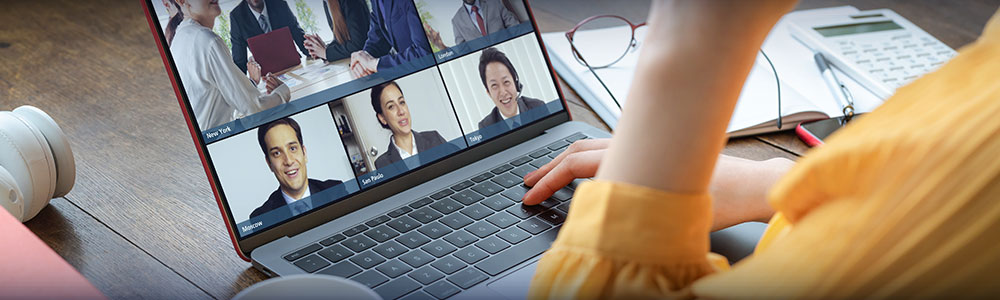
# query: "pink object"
[[29, 269]]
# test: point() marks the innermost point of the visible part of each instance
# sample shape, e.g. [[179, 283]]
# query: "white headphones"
[[36, 163]]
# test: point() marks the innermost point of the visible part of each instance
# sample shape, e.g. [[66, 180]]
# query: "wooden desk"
[[142, 220]]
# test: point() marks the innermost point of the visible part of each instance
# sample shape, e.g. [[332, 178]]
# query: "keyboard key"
[[482, 177], [576, 137], [367, 259], [442, 289], [515, 193], [377, 221], [416, 258], [302, 252], [359, 243], [514, 235], [507, 180], [477, 211], [487, 188], [456, 221], [462, 185], [332, 239], [553, 216], [413, 240], [404, 224], [420, 203], [442, 194], [382, 233], [418, 295], [390, 249], [336, 253], [461, 238], [523, 170], [344, 269], [446, 206], [435, 230], [426, 275], [439, 248], [470, 255], [393, 268], [563, 207], [509, 258], [539, 162], [501, 169], [525, 211], [497, 202], [397, 288], [370, 278], [563, 194], [549, 203], [467, 278], [557, 145], [492, 245], [467, 197], [521, 161], [425, 215], [311, 263], [448, 265], [502, 220], [539, 153], [482, 229], [400, 211], [356, 230], [534, 225]]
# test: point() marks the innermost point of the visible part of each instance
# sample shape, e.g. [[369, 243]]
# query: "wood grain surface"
[[141, 220]]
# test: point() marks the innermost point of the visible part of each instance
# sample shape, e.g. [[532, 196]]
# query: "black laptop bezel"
[[244, 246]]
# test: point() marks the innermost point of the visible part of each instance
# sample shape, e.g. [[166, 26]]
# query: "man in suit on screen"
[[255, 17], [479, 18], [504, 87], [285, 153]]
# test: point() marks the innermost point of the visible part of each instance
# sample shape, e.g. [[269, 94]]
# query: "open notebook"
[[804, 94]]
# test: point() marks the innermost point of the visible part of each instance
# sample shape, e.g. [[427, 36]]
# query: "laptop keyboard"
[[451, 240]]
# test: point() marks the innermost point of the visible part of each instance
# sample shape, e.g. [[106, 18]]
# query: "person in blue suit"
[[395, 36], [255, 17]]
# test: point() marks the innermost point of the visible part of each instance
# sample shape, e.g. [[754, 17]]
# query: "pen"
[[837, 87]]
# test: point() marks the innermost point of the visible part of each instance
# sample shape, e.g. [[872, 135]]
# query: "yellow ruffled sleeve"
[[627, 241]]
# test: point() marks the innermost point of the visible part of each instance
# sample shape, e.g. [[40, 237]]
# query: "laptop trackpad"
[[515, 285]]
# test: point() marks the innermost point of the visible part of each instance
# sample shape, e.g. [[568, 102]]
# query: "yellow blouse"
[[904, 202]]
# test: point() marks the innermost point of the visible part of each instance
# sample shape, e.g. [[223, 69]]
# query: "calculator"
[[878, 48]]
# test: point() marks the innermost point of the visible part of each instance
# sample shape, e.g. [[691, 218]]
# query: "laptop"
[[408, 180], [274, 51]]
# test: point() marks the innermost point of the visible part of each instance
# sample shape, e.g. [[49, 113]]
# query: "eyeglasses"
[[601, 41]]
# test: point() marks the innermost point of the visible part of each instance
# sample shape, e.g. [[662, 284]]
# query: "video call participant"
[[218, 91], [176, 16], [255, 17], [349, 20], [504, 87], [393, 113], [285, 153], [478, 18], [395, 25]]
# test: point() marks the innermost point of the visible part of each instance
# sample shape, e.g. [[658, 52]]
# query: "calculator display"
[[837, 30]]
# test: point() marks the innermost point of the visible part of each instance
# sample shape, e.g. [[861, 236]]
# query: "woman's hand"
[[315, 45], [272, 82], [738, 186], [253, 69], [363, 64]]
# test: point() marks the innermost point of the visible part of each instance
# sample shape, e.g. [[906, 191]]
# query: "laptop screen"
[[381, 88]]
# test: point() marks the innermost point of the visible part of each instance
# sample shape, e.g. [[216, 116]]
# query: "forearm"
[[739, 189], [696, 57]]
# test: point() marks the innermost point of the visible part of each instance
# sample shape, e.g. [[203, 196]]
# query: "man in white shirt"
[[217, 90], [503, 86]]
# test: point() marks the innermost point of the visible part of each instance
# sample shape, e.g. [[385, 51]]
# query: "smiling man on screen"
[[285, 153]]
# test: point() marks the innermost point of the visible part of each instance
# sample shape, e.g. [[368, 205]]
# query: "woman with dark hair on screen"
[[349, 21], [219, 92], [176, 16], [394, 114]]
